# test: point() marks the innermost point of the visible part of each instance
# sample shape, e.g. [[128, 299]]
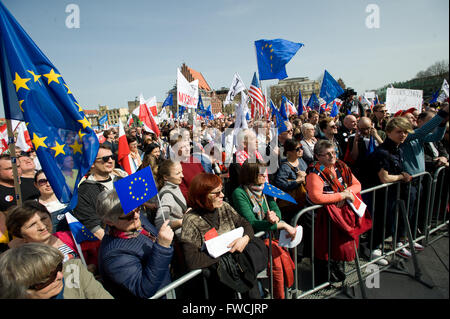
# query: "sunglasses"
[[51, 278], [299, 148], [106, 158], [129, 216], [329, 154], [42, 181], [216, 194]]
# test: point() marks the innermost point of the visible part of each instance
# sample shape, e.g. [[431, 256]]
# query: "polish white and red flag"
[[151, 104], [146, 117], [123, 154], [3, 138], [23, 138], [290, 108]]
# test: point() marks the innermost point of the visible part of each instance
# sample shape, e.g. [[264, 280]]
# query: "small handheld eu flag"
[[278, 193], [136, 189]]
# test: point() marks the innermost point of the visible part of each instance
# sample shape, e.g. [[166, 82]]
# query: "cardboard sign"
[[403, 99]]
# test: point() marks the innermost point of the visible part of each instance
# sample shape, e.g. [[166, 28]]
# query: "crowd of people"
[[210, 178]]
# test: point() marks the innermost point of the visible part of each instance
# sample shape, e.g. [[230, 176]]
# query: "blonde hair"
[[399, 122], [25, 266]]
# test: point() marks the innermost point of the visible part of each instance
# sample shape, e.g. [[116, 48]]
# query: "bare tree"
[[437, 68]]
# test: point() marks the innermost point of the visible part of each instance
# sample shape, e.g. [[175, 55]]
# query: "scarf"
[[257, 198], [331, 178]]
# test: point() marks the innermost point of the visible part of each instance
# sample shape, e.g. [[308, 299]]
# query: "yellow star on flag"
[[80, 134], [76, 147], [79, 107], [68, 90], [52, 76], [38, 141], [21, 83], [36, 77], [85, 122], [59, 149], [20, 105]]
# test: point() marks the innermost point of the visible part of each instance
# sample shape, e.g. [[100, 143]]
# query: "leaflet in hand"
[[357, 205], [217, 246], [286, 241]]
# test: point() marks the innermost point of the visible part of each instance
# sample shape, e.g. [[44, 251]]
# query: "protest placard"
[[403, 99]]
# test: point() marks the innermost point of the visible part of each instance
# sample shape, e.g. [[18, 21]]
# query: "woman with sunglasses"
[[48, 278], [49, 200], [134, 257], [290, 178]]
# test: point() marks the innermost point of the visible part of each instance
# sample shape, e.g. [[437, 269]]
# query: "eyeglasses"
[[130, 215], [51, 278], [106, 158], [299, 148], [42, 181], [217, 194], [329, 154], [332, 126]]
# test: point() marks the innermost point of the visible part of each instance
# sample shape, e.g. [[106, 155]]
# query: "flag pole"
[[12, 152]]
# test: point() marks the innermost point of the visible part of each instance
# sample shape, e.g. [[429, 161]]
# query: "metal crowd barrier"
[[419, 228]]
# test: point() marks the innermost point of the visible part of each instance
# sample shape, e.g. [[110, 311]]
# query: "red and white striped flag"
[[146, 117], [257, 97], [123, 154], [23, 138], [3, 138]]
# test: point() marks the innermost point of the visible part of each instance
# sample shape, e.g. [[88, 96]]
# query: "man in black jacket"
[[102, 176]]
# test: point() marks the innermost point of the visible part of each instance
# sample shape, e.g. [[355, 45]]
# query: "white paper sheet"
[[285, 239], [217, 246]]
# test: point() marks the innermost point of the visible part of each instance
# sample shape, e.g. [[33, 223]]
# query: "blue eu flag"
[[300, 103], [273, 191], [334, 110], [168, 101], [279, 118], [313, 102], [136, 189], [200, 107], [330, 88], [103, 119], [283, 107], [35, 92], [272, 57]]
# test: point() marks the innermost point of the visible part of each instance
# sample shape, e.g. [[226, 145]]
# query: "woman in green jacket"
[[249, 201]]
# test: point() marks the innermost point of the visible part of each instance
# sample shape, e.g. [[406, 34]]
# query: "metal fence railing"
[[419, 208]]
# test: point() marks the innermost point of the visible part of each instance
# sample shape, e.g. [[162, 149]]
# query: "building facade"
[[290, 87]]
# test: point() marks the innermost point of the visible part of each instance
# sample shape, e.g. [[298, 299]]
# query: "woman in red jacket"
[[331, 183]]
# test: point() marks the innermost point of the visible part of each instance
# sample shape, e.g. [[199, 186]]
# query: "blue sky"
[[123, 48]]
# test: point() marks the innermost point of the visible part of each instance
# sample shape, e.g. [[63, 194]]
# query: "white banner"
[[369, 95], [403, 99], [236, 86], [187, 93], [445, 87]]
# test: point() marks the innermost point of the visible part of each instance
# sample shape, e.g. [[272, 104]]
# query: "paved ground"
[[433, 263]]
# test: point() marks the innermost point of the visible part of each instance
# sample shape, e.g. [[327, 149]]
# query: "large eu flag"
[[272, 57], [35, 92]]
